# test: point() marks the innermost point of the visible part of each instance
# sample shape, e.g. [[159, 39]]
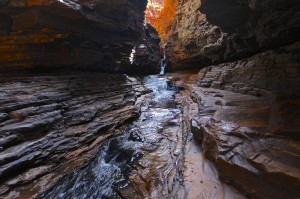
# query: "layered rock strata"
[[65, 34], [49, 125], [206, 32], [247, 121], [247, 115]]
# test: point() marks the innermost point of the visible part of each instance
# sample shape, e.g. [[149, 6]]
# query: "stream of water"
[[163, 64], [109, 172], [153, 157]]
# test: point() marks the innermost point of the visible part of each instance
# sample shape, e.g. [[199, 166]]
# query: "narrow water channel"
[[153, 157], [109, 175]]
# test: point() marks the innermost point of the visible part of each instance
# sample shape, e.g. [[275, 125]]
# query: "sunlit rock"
[[206, 32]]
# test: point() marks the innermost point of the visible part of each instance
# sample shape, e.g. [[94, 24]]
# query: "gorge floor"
[[153, 157]]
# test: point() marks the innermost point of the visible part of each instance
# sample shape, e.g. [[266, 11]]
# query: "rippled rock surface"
[[79, 140], [50, 125], [245, 116]]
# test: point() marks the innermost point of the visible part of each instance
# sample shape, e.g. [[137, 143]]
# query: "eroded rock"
[[248, 125], [69, 35], [53, 124], [147, 56], [275, 70], [209, 32]]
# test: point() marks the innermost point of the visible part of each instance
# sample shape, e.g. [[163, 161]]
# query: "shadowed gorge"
[[69, 35], [131, 99]]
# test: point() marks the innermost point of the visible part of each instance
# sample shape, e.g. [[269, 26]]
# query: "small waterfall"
[[131, 56], [163, 64]]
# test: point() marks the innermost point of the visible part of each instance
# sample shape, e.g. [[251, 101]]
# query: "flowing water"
[[163, 64], [108, 174], [153, 157]]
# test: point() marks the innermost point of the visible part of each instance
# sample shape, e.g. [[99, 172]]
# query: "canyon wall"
[[247, 121], [54, 116], [242, 107], [51, 125], [208, 32], [48, 35], [247, 92], [153, 9], [146, 54]]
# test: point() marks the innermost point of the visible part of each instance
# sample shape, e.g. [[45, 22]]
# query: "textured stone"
[[153, 9], [147, 55], [275, 70], [69, 35], [241, 138], [249, 126], [53, 124], [208, 32]]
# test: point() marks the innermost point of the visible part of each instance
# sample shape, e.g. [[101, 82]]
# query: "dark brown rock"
[[208, 32], [275, 70], [50, 125], [248, 125], [147, 56], [69, 35], [241, 138]]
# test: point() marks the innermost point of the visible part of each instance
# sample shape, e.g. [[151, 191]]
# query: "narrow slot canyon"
[[133, 99]]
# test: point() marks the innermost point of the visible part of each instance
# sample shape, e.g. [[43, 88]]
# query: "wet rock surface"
[[48, 35], [73, 136], [243, 112], [85, 146], [200, 178], [50, 125], [153, 157], [250, 152], [248, 124], [138, 163]]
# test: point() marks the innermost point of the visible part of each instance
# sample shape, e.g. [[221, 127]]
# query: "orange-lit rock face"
[[153, 9], [164, 20], [212, 31]]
